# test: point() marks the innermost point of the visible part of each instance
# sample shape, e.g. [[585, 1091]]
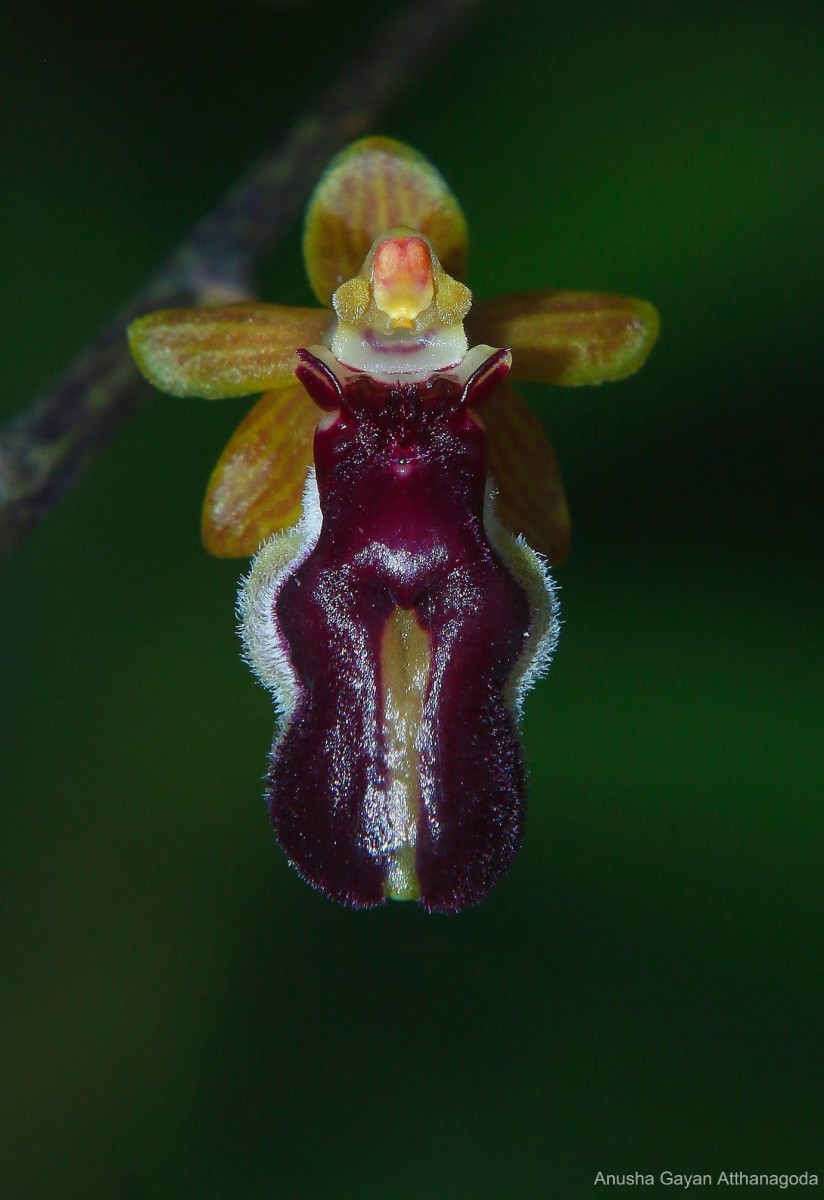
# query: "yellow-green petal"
[[522, 463], [568, 338], [232, 350], [372, 186], [256, 488]]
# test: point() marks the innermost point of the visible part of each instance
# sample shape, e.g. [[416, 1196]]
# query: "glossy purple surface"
[[401, 472]]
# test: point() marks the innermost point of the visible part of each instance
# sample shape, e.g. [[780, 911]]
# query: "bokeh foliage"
[[183, 1018]]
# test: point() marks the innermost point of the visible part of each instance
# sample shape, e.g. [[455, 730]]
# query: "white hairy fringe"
[[529, 569], [264, 647]]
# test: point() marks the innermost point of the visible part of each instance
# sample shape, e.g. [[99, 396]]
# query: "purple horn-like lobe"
[[399, 771]]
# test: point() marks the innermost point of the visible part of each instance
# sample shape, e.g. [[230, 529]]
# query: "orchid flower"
[[401, 500]]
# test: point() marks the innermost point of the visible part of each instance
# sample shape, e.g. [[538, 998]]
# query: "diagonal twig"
[[45, 449]]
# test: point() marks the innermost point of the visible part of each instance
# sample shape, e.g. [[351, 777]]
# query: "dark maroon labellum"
[[409, 624]]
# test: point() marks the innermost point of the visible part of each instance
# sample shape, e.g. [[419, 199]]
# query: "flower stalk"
[[45, 449]]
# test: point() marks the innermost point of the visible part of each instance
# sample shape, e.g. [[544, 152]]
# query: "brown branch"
[[45, 449]]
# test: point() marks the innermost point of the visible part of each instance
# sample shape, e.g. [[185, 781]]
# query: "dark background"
[[183, 1018]]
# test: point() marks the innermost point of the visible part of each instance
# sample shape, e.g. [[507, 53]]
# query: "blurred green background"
[[182, 1017]]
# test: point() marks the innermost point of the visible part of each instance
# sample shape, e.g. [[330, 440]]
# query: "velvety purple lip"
[[408, 454], [402, 466], [401, 480]]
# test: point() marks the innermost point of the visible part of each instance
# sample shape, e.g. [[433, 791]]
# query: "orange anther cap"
[[403, 283]]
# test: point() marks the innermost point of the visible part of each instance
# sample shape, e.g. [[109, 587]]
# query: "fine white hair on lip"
[[530, 571], [264, 647]]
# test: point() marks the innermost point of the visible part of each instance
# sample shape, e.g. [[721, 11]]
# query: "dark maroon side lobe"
[[401, 473]]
